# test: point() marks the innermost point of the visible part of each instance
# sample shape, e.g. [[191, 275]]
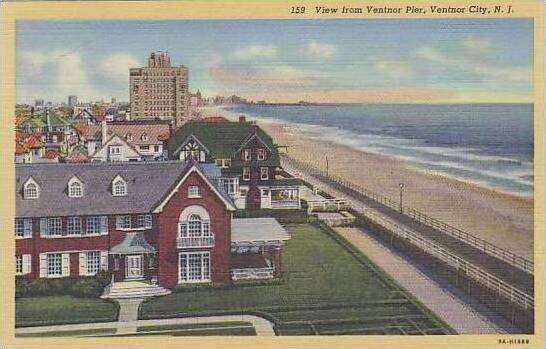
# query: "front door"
[[134, 267]]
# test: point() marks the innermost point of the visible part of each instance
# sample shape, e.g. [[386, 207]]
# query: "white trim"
[[27, 264], [194, 209], [116, 179], [76, 180], [159, 208], [177, 150], [180, 281], [31, 180]]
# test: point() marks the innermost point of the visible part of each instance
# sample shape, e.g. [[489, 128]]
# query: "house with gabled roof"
[[248, 158], [163, 223]]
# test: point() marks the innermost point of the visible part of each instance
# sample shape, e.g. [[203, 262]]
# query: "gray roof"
[[257, 230], [134, 243], [147, 184]]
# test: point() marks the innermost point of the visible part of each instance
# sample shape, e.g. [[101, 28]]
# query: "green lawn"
[[194, 326], [56, 310], [73, 333], [326, 289]]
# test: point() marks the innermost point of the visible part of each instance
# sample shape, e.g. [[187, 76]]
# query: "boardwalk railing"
[[472, 240], [476, 273]]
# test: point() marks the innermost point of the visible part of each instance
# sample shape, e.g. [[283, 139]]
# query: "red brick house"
[[165, 222]]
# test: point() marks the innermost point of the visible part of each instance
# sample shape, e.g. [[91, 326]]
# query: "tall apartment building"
[[72, 101], [159, 90]]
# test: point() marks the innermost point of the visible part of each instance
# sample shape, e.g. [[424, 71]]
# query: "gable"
[[127, 151], [192, 143]]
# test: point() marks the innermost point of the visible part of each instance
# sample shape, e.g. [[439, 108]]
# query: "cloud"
[[281, 76], [395, 69], [256, 51], [480, 68], [477, 45], [116, 66], [317, 49]]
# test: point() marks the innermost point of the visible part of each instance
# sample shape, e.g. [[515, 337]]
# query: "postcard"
[[287, 174]]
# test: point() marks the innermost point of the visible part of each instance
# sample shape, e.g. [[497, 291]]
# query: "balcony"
[[195, 241]]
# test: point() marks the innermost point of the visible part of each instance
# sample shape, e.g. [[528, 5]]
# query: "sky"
[[340, 60]]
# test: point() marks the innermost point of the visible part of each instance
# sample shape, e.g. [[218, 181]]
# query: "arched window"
[[144, 137], [75, 189], [195, 225], [119, 187], [31, 190], [194, 222]]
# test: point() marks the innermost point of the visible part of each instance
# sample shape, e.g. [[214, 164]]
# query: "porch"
[[133, 289], [256, 248], [133, 259], [283, 193]]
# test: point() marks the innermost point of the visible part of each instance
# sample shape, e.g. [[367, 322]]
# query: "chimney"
[[104, 130], [242, 119], [48, 120]]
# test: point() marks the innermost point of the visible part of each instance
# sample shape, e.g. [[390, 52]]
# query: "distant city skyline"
[[423, 61]]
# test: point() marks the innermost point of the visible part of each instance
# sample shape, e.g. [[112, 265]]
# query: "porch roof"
[[257, 231], [134, 243]]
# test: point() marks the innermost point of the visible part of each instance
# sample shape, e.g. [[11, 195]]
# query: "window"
[[51, 226], [74, 225], [265, 192], [264, 173], [243, 191], [114, 150], [93, 262], [194, 191], [144, 137], [195, 226], [97, 225], [261, 154], [129, 136], [156, 148], [144, 221], [144, 147], [31, 190], [75, 188], [223, 163], [194, 267], [246, 155], [230, 185], [19, 264], [23, 228], [227, 162], [119, 187], [246, 173], [123, 222], [191, 154], [54, 264]]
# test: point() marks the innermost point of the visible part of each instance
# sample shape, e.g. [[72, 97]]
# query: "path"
[[441, 299], [262, 326], [128, 313]]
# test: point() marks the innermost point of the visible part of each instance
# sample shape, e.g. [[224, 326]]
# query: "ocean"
[[486, 144]]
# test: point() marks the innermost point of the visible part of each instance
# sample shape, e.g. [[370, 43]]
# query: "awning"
[[134, 243], [257, 231]]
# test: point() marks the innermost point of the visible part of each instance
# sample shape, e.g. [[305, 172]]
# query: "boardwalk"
[[494, 266], [441, 299]]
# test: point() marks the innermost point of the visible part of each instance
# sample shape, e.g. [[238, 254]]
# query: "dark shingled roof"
[[223, 139], [147, 184]]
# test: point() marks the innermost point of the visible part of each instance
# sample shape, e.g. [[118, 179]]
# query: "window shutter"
[[119, 222], [43, 227], [66, 264], [148, 221], [27, 228], [104, 225], [83, 263], [43, 265], [27, 266], [104, 260]]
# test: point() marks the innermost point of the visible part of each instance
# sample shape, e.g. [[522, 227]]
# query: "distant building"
[[159, 90], [39, 103], [72, 101]]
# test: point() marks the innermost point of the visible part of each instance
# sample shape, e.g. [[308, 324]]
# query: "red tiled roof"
[[24, 141], [215, 119], [51, 154]]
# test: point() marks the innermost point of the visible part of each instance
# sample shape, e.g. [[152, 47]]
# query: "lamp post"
[[401, 190], [326, 165]]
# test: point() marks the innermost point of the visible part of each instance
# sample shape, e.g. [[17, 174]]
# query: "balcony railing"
[[195, 241], [284, 203], [251, 273]]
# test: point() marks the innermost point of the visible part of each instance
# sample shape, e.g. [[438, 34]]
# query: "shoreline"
[[500, 217]]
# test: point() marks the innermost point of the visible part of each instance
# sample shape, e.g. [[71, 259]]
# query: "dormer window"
[[119, 187], [246, 155], [144, 137], [129, 137], [31, 190], [75, 188]]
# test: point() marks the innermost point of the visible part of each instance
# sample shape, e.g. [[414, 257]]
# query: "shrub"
[[22, 287], [103, 277], [81, 286], [86, 287]]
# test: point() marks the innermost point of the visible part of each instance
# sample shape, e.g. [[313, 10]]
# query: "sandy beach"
[[503, 219]]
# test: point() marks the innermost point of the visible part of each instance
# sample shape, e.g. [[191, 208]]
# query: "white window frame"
[[75, 188], [99, 225], [93, 266], [119, 187], [185, 271], [230, 185], [23, 228], [247, 155], [19, 264], [123, 222], [114, 150], [31, 190], [246, 173], [194, 191], [59, 264], [261, 154], [54, 226], [144, 221], [262, 172], [74, 226]]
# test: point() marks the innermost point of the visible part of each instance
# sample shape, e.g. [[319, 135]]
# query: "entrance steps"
[[133, 289]]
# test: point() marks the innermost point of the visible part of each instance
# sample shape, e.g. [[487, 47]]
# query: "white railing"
[[251, 273], [287, 203], [522, 263], [327, 205], [195, 241]]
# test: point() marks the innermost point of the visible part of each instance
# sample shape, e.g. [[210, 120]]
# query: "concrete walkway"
[[442, 299], [262, 326], [128, 312]]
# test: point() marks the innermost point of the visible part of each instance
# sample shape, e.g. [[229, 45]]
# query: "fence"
[[474, 241]]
